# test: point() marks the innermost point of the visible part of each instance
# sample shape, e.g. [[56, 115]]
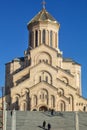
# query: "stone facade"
[[43, 79]]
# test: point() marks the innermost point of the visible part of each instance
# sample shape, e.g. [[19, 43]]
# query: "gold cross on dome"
[[44, 4]]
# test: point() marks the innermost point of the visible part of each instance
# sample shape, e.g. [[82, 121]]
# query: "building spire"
[[44, 4]]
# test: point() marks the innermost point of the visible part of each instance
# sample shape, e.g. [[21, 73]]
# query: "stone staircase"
[[33, 120], [83, 120], [9, 121]]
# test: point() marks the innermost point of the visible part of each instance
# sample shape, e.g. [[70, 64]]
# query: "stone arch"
[[61, 105], [71, 102], [65, 80], [15, 97], [34, 100], [42, 107], [43, 76], [15, 102], [23, 105], [25, 94], [60, 91], [43, 96], [34, 109], [24, 90], [43, 57], [52, 101], [47, 77]]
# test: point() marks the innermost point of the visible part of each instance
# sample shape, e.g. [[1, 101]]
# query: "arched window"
[[51, 39], [47, 37], [71, 102], [46, 96], [40, 79], [42, 95], [39, 61], [32, 38], [24, 106], [43, 36], [65, 80], [52, 101], [39, 37], [36, 37], [61, 92], [46, 78], [17, 104], [62, 106], [27, 95], [56, 40], [46, 61]]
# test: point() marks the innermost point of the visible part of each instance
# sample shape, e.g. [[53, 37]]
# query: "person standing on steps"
[[44, 124], [49, 126], [11, 112], [52, 112]]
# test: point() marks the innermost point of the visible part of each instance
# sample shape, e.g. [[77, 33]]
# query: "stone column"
[[4, 116], [13, 120], [77, 121]]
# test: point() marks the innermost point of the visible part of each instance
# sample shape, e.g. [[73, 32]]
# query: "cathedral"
[[43, 79]]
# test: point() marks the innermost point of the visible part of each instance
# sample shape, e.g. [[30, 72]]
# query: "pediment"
[[43, 48], [64, 98], [43, 66], [43, 85]]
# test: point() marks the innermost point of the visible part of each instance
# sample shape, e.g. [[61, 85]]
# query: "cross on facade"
[[44, 4]]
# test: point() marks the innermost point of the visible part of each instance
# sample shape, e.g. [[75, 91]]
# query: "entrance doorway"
[[43, 108]]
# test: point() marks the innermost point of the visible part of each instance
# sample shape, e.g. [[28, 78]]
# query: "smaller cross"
[[44, 4]]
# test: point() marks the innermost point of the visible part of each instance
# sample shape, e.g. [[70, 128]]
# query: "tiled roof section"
[[70, 60], [43, 15]]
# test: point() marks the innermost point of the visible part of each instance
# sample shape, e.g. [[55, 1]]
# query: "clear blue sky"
[[72, 16]]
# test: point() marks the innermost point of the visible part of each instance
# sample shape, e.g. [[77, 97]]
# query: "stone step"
[[59, 121]]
